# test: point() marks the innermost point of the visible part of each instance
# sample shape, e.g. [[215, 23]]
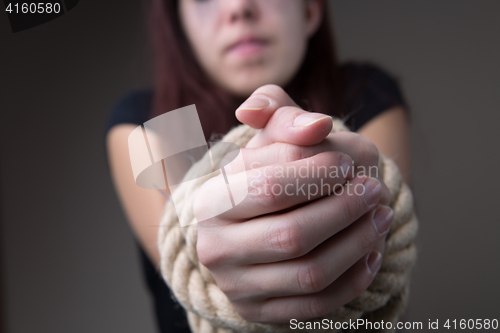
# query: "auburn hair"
[[181, 81]]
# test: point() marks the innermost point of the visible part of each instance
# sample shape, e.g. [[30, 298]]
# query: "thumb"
[[262, 104], [271, 109]]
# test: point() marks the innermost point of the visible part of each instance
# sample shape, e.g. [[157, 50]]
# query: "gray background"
[[69, 263]]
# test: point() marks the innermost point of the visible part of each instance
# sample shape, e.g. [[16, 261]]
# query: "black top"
[[370, 91]]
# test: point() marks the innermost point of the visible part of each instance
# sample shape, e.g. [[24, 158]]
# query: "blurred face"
[[244, 44]]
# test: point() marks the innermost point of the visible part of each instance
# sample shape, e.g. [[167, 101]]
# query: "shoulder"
[[369, 90], [133, 108]]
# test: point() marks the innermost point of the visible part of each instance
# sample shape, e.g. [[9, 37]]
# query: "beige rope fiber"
[[207, 307]]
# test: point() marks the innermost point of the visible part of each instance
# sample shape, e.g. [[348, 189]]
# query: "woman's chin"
[[246, 85]]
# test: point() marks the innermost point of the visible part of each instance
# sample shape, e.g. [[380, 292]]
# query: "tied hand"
[[278, 256]]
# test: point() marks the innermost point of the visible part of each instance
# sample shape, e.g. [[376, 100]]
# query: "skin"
[[213, 25], [277, 257]]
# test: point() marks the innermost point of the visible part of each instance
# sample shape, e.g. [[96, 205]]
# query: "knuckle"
[[352, 207], [315, 307], [291, 152], [272, 185], [366, 239], [234, 285], [262, 188], [286, 240], [207, 253], [247, 312], [282, 115], [326, 158], [359, 285], [369, 151], [229, 289], [311, 278]]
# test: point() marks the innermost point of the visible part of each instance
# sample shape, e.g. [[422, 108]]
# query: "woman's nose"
[[241, 9]]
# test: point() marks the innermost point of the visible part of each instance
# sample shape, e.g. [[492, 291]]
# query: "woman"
[[278, 58]]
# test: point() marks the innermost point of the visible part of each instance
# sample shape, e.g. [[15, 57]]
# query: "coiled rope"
[[209, 310]]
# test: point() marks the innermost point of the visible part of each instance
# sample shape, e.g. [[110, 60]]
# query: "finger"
[[262, 104], [346, 288], [292, 234], [275, 153], [293, 125], [321, 267], [274, 187], [364, 154], [266, 104]]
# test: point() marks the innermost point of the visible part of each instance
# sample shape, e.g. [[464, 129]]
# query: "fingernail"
[[382, 219], [307, 119], [373, 261], [254, 103], [346, 163], [372, 191]]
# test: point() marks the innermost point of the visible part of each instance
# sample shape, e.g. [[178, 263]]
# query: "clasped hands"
[[278, 256]]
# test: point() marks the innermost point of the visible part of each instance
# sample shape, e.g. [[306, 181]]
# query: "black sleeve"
[[369, 91], [133, 108]]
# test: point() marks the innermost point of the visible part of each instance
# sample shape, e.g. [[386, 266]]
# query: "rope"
[[209, 310]]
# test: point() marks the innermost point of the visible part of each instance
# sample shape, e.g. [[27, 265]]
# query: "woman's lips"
[[247, 47]]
